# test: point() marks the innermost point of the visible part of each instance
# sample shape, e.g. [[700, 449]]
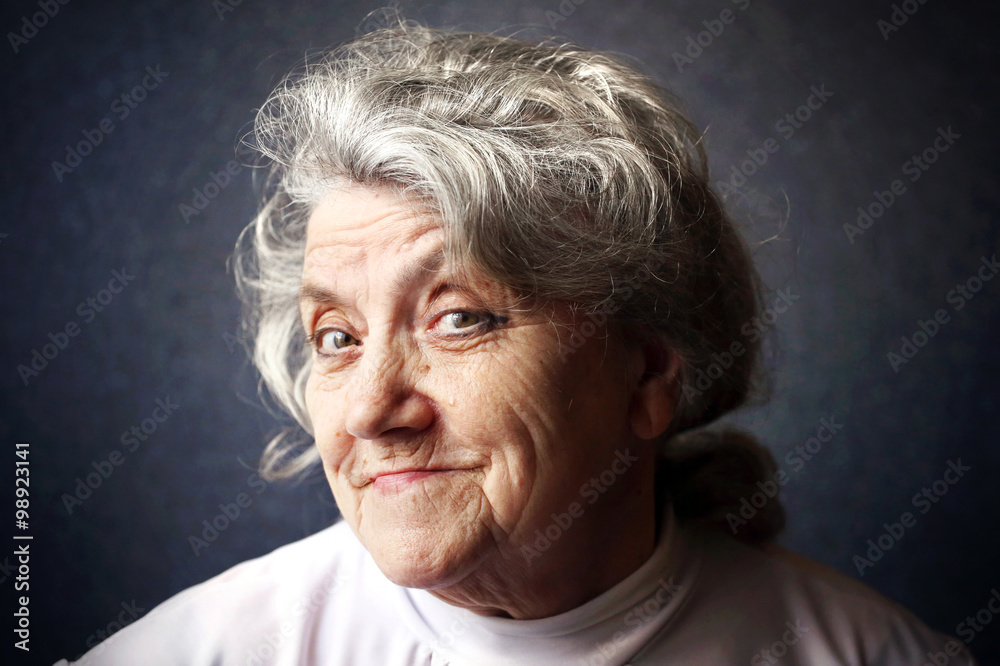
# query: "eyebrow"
[[411, 273]]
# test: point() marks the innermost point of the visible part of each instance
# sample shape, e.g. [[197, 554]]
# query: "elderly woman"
[[483, 281]]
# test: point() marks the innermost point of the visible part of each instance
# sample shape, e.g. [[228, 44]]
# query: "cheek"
[[506, 420], [575, 408], [325, 404], [515, 409]]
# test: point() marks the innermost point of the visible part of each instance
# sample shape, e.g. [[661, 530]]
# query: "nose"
[[384, 403]]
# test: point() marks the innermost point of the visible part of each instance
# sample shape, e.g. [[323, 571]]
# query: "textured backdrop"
[[123, 195]]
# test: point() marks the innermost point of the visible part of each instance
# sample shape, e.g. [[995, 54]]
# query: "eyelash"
[[490, 323]]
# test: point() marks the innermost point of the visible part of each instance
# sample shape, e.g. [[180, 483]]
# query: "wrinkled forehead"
[[377, 232], [355, 217], [382, 239]]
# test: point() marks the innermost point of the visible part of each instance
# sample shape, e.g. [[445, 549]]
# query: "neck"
[[603, 546]]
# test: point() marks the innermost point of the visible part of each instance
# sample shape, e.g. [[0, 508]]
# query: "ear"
[[655, 394]]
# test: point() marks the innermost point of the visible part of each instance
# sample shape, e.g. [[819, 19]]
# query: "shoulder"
[[851, 618], [269, 602], [780, 605]]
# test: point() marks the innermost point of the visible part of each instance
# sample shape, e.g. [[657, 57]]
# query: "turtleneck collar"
[[615, 625]]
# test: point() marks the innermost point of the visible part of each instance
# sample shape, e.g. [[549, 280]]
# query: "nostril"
[[391, 418]]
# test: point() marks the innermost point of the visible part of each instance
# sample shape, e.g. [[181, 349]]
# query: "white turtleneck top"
[[701, 598]]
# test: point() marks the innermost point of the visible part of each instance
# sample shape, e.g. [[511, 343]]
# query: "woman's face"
[[449, 432]]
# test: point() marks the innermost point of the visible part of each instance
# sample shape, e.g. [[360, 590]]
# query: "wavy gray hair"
[[558, 172]]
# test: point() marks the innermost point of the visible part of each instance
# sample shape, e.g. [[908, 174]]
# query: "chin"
[[425, 557]]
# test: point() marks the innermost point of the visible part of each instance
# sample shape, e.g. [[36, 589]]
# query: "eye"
[[461, 319], [328, 341], [462, 323]]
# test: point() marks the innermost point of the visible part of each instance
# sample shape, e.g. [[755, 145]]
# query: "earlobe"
[[654, 398]]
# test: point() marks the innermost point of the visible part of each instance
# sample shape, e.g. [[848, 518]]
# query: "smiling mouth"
[[406, 479]]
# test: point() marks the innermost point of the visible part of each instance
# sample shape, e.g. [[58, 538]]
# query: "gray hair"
[[561, 173]]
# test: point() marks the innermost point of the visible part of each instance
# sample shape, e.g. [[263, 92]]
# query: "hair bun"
[[711, 475]]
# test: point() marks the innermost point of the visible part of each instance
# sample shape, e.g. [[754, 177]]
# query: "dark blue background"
[[169, 333]]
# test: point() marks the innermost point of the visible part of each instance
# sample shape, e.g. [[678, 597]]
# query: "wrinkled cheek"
[[346, 498], [517, 438], [326, 413], [337, 460]]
